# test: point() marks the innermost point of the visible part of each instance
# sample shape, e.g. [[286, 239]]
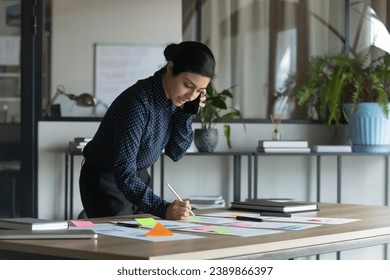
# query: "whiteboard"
[[119, 66]]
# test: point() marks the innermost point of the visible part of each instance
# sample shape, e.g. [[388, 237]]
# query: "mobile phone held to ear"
[[192, 107]]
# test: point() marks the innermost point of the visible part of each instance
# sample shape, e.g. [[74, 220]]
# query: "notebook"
[[32, 224], [12, 234], [275, 205]]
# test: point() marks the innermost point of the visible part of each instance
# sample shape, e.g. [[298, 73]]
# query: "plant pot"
[[206, 139], [369, 128]]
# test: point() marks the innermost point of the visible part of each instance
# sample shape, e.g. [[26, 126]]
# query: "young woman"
[[144, 120]]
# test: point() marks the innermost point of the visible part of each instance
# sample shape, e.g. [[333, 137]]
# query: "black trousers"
[[100, 195]]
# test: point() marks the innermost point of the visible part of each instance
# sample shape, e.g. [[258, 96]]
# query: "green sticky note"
[[194, 219], [147, 222], [222, 230]]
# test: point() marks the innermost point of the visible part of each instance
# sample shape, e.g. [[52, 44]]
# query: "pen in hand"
[[178, 197]]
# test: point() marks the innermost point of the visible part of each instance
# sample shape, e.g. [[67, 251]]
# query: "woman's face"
[[183, 87]]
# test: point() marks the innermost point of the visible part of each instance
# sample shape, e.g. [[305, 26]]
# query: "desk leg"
[[386, 247], [237, 178], [71, 187], [318, 178], [66, 186], [162, 176], [338, 179], [13, 196], [250, 176], [255, 174], [386, 180], [338, 254]]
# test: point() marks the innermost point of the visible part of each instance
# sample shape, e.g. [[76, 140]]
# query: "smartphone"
[[192, 107]]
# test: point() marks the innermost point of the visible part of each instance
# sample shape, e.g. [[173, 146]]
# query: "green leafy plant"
[[217, 110], [337, 79]]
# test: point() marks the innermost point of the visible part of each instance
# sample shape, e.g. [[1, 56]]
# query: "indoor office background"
[[258, 45]]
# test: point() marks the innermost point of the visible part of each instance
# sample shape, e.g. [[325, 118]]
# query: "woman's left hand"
[[203, 98], [178, 210]]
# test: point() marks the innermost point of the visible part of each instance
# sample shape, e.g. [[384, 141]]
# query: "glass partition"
[[10, 135], [264, 47]]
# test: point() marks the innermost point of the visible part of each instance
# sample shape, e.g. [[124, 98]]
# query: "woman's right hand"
[[178, 210]]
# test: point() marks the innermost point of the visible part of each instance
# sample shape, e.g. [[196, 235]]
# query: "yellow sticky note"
[[146, 222], [222, 230]]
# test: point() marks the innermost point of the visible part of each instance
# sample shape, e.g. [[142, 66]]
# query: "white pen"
[[178, 197]]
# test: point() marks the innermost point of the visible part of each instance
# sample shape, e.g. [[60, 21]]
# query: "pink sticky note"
[[239, 224], [204, 228], [83, 223]]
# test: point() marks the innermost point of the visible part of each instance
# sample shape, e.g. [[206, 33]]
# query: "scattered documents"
[[272, 225], [222, 223], [138, 233], [226, 230], [316, 220]]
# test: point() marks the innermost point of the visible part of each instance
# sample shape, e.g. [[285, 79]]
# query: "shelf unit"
[[253, 167], [319, 157]]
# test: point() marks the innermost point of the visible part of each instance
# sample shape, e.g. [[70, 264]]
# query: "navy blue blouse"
[[139, 124]]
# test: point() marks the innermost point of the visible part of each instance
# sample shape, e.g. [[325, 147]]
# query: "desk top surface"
[[373, 228]]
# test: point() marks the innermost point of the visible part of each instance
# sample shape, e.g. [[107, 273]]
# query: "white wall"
[[78, 25]]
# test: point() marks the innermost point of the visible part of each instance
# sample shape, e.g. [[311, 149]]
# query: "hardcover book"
[[10, 234], [275, 205], [332, 148], [207, 199], [284, 150], [32, 224], [283, 144]]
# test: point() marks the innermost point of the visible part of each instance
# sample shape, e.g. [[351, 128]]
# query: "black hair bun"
[[170, 51]]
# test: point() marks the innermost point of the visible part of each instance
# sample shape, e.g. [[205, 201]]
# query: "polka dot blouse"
[[139, 124]]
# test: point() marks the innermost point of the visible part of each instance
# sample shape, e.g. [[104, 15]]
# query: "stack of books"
[[275, 206], [34, 228], [207, 201], [283, 146], [78, 144], [32, 224]]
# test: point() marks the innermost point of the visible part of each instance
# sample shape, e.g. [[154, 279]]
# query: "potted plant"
[[341, 87], [215, 110]]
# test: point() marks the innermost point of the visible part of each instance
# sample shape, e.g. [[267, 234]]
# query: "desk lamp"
[[82, 100]]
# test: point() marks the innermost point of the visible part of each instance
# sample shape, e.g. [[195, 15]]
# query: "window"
[[264, 47]]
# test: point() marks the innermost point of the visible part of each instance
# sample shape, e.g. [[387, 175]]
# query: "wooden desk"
[[372, 229]]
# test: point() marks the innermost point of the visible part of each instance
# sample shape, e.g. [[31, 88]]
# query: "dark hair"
[[191, 56]]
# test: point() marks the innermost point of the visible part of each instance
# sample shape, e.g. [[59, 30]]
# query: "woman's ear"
[[169, 67]]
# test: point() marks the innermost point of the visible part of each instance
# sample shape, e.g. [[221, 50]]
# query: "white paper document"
[[137, 233]]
